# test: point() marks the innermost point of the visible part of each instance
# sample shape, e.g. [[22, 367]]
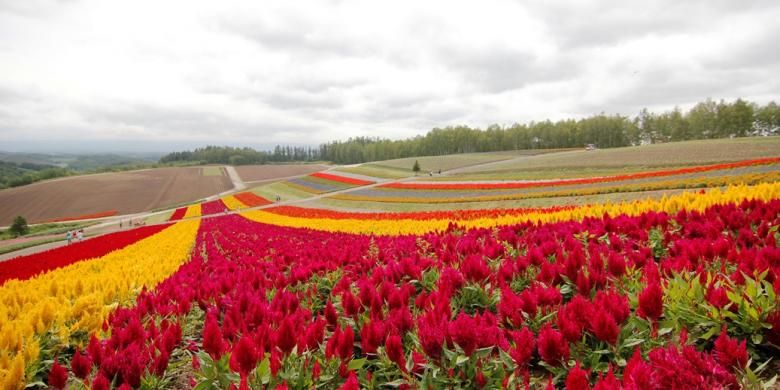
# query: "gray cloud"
[[278, 72]]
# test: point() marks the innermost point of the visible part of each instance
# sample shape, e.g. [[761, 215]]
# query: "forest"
[[706, 120]]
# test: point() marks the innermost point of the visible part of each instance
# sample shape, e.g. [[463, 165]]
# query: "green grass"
[[269, 191], [379, 171], [46, 229], [159, 218], [211, 171], [603, 162], [28, 244]]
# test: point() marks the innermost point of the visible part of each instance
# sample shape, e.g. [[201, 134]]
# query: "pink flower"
[[351, 383], [58, 376]]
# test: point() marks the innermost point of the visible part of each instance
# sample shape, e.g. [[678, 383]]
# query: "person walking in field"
[[69, 237], [80, 235]]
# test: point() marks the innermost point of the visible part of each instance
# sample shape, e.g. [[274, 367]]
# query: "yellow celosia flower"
[[76, 297]]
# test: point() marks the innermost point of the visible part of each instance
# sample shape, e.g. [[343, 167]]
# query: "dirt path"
[[238, 184]]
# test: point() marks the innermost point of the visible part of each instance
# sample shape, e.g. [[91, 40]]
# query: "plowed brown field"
[[126, 192], [250, 173]]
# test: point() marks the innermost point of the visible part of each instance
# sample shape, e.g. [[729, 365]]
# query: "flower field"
[[678, 292], [320, 183]]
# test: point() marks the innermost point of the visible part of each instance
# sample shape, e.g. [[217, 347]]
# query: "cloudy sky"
[[162, 75]]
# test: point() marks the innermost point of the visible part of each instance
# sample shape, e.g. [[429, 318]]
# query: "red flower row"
[[212, 207], [178, 214], [25, 267], [633, 176], [341, 179], [303, 212]]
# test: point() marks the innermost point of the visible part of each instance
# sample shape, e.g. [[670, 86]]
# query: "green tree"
[[19, 227], [416, 166]]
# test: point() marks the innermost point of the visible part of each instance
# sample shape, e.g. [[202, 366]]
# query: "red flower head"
[[213, 343], [479, 379], [524, 346], [316, 370], [95, 350], [609, 382], [351, 382], [604, 327], [729, 352], [81, 365], [58, 376], [432, 332], [346, 343], [577, 379], [330, 314], [371, 335], [100, 382], [244, 356], [463, 331], [395, 350], [651, 301], [553, 348], [285, 335]]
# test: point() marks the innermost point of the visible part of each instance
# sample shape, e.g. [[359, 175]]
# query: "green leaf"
[[264, 371], [356, 364], [630, 342], [461, 359]]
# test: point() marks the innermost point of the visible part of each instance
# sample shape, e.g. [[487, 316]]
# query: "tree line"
[[706, 120]]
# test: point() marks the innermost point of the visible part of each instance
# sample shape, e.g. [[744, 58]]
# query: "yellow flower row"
[[193, 211], [671, 204], [232, 203], [79, 297]]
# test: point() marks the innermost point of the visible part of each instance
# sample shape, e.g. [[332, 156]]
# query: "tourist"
[[80, 235], [69, 237]]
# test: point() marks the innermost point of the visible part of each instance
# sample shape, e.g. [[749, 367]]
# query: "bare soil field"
[[126, 192], [250, 173]]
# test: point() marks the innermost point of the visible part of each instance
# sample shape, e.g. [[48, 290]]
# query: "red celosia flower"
[[244, 356], [58, 376], [463, 331], [285, 335], [524, 345], [346, 343], [100, 382], [351, 383], [651, 302], [395, 350], [604, 327], [729, 352], [213, 343], [431, 332], [717, 296], [316, 370], [330, 314], [81, 365], [577, 379], [479, 379], [552, 346], [95, 350], [608, 382]]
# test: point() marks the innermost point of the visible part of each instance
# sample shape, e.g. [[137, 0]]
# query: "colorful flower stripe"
[[703, 182], [232, 203], [193, 211], [618, 302], [213, 207], [25, 267], [178, 214], [250, 199], [342, 179], [315, 185], [686, 200], [507, 185], [304, 212], [79, 297], [101, 214]]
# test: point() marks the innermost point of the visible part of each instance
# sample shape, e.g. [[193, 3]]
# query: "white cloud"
[[260, 73]]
